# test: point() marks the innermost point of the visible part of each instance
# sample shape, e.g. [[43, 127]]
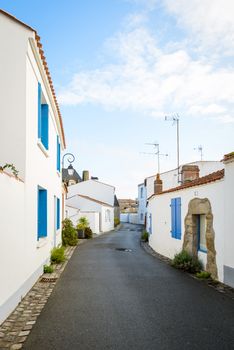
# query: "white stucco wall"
[[141, 204], [86, 205], [229, 223], [93, 219], [20, 74], [94, 189], [159, 207]]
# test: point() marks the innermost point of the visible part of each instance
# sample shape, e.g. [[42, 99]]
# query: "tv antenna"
[[156, 153], [200, 150], [176, 120]]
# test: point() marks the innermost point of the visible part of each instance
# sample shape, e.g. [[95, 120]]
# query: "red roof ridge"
[[94, 200], [43, 58], [217, 175]]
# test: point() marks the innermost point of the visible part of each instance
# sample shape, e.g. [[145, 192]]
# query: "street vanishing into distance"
[[115, 295]]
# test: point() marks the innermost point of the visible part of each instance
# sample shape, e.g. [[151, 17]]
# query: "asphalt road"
[[111, 299]]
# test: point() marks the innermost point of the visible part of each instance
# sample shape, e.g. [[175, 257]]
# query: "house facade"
[[94, 200], [197, 216], [171, 178], [31, 138]]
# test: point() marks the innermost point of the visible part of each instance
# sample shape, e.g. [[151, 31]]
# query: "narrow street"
[[127, 300]]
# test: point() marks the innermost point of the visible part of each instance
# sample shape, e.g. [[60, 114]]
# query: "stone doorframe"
[[200, 206]]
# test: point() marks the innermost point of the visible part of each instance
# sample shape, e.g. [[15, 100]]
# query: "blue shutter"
[[45, 125], [173, 217], [39, 110], [58, 154], [58, 213], [42, 213], [178, 217]]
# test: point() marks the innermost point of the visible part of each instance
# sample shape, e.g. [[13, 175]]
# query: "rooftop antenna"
[[200, 150], [176, 120], [157, 153]]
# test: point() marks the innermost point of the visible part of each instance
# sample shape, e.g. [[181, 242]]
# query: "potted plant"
[[81, 226]]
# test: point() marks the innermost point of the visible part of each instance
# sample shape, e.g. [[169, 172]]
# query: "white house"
[[171, 178], [31, 138], [197, 216], [94, 200]]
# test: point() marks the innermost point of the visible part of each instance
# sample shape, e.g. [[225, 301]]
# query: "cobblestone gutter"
[[15, 329]]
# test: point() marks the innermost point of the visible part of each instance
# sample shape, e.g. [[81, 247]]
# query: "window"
[[141, 192], [58, 155], [176, 218], [58, 214], [201, 232], [43, 120], [42, 213]]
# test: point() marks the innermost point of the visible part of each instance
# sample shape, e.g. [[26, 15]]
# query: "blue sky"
[[119, 66]]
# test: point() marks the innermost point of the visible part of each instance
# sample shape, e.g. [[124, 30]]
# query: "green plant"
[[57, 255], [69, 234], [186, 262], [145, 236], [203, 274], [48, 269], [82, 223], [12, 167], [88, 233], [116, 221]]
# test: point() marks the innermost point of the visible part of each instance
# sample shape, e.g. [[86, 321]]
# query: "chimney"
[[189, 173], [158, 185], [85, 175]]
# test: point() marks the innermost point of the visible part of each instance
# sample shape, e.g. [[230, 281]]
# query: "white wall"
[[229, 223], [141, 204], [86, 205], [133, 218], [124, 217], [93, 219], [13, 269], [94, 189], [159, 207], [20, 74]]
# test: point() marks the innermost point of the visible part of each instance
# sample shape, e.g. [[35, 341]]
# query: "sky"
[[120, 66]]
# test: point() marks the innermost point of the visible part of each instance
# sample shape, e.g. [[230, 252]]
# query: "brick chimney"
[[189, 173], [158, 185], [85, 175]]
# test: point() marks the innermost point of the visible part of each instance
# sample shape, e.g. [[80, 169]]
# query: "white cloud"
[[209, 21], [148, 79]]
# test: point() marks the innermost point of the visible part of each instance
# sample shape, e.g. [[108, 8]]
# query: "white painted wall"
[[93, 219], [229, 221], [141, 204], [159, 207], [86, 205], [133, 218], [94, 189], [124, 217], [20, 74]]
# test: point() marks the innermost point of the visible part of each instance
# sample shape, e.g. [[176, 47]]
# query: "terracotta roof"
[[94, 200], [43, 58], [217, 175], [228, 156]]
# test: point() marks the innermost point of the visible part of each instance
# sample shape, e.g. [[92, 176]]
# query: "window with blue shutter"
[[176, 218], [42, 213], [43, 120], [58, 214], [58, 155]]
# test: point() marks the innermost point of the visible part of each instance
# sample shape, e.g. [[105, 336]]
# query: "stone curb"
[[219, 286], [16, 328]]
